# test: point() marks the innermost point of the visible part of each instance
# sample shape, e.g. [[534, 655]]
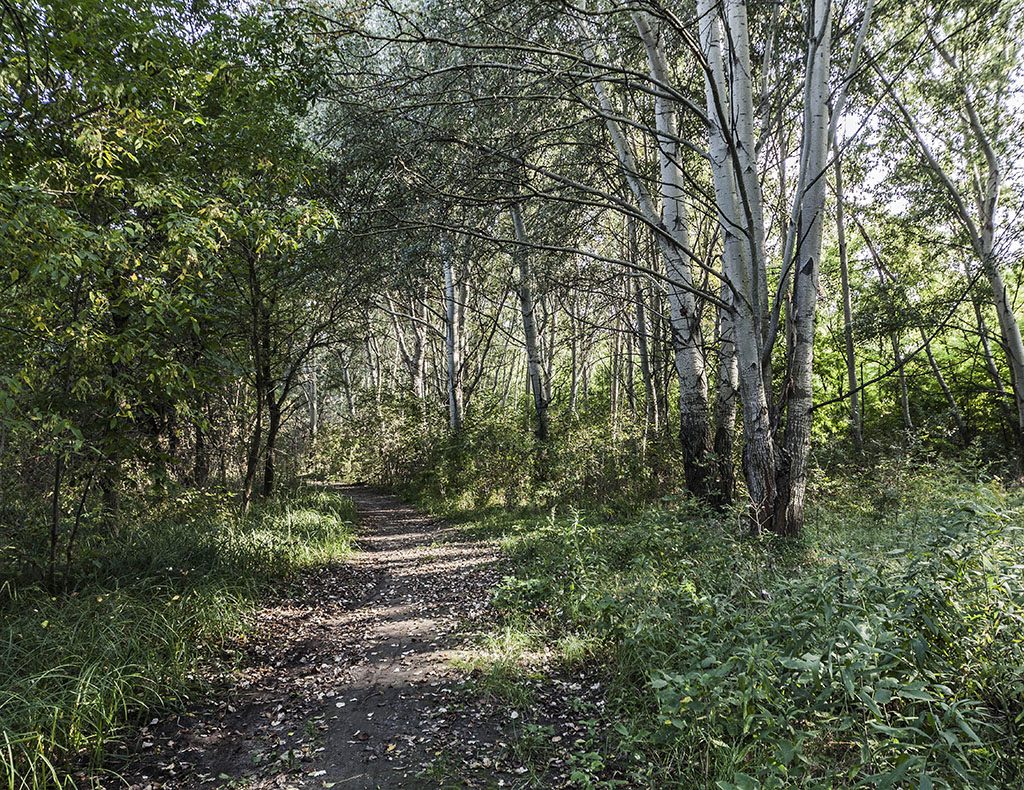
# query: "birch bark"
[[452, 338], [687, 337], [793, 461], [535, 369], [739, 276], [748, 192]]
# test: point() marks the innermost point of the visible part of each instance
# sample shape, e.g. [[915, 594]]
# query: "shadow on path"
[[348, 683]]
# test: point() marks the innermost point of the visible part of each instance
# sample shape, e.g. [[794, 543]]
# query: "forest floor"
[[364, 676]]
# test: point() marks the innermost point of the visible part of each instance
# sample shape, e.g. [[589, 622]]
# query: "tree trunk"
[[574, 366], [687, 341], [419, 354], [725, 405], [270, 457], [253, 454], [793, 466], [452, 340], [613, 384], [313, 398], [856, 430], [201, 460], [651, 416], [1013, 345], [749, 206], [534, 359], [739, 278], [901, 376]]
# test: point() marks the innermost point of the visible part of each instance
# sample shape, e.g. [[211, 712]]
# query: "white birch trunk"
[[687, 340], [740, 277], [750, 202], [793, 462], [535, 369], [452, 338]]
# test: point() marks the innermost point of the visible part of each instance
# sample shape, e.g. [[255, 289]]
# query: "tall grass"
[[884, 650], [145, 609]]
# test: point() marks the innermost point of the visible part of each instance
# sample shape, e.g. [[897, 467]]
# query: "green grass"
[[497, 668], [885, 649], [145, 610]]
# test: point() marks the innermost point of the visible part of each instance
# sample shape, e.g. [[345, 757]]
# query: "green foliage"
[[886, 650], [152, 170], [496, 460], [148, 608]]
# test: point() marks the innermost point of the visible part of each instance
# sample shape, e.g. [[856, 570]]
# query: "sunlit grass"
[[144, 612]]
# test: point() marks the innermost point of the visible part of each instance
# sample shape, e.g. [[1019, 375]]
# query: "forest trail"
[[349, 683]]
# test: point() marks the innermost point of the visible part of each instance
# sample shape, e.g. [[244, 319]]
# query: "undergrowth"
[[886, 649], [142, 610], [495, 460]]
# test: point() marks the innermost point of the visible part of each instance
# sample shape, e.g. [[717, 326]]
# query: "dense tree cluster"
[[754, 222], [170, 268], [718, 230]]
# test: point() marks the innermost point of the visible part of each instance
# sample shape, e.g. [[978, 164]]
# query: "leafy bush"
[[148, 606]]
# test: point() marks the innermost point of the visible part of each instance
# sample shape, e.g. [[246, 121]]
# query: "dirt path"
[[350, 683]]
